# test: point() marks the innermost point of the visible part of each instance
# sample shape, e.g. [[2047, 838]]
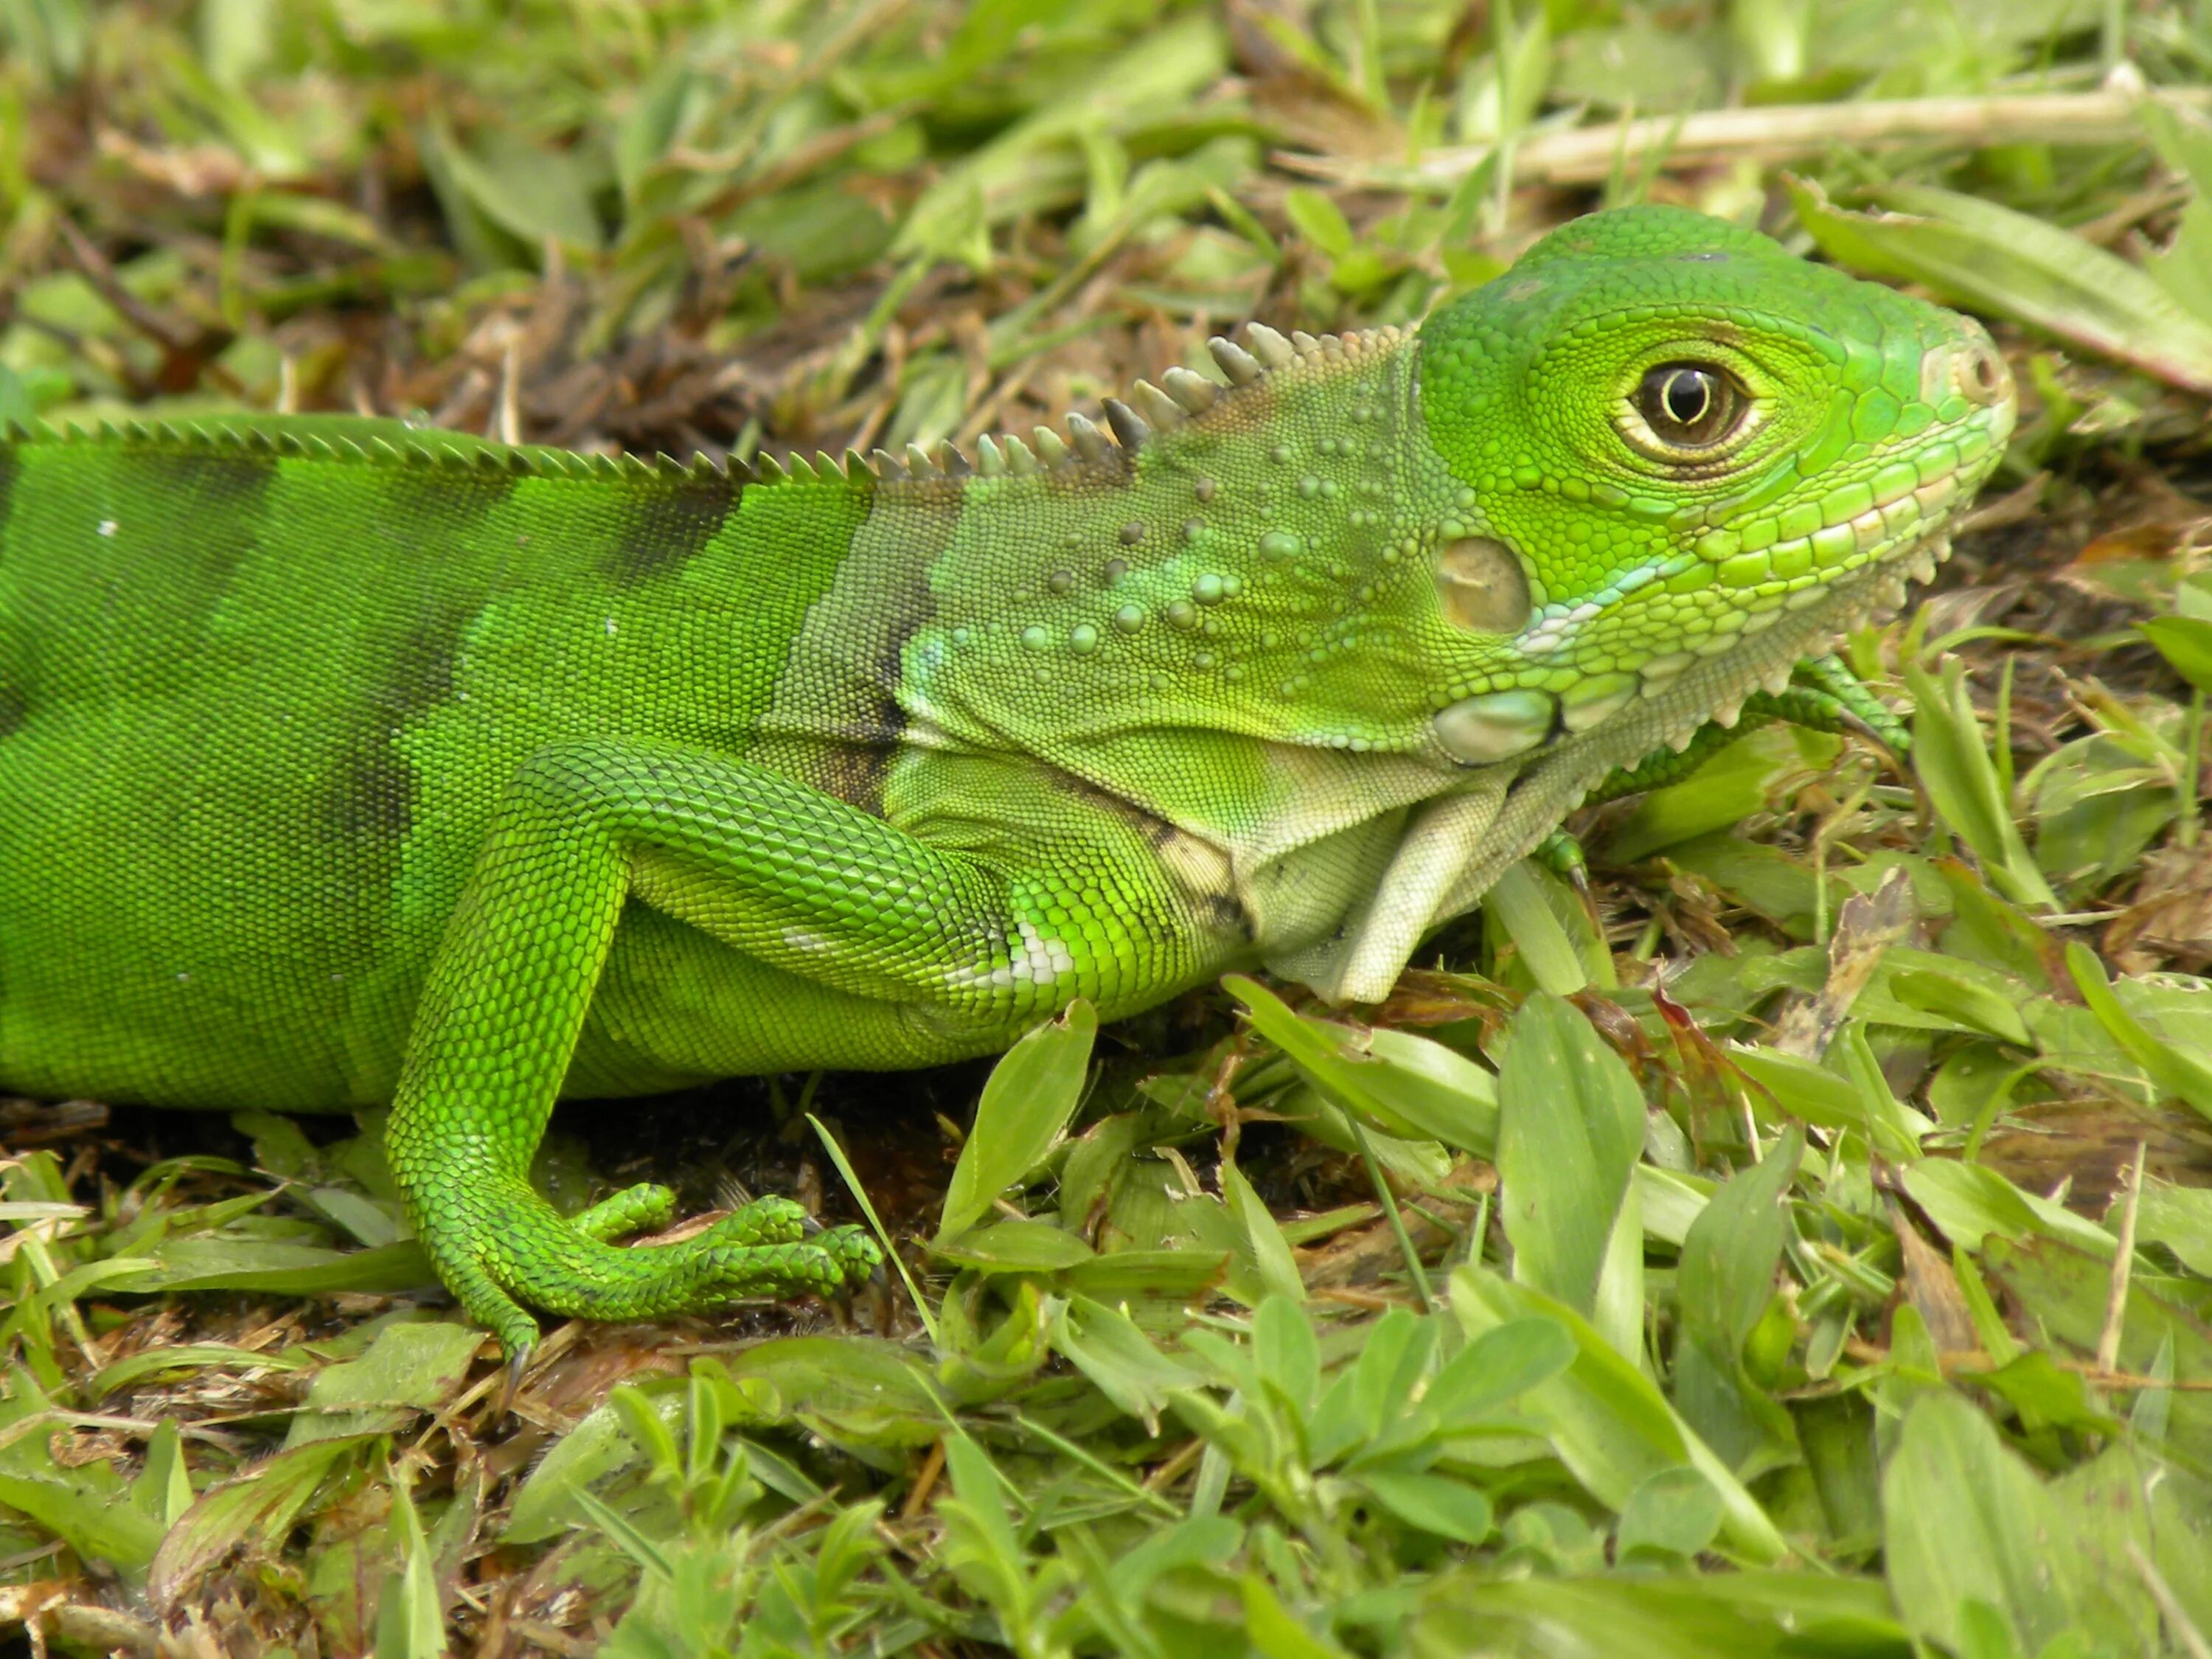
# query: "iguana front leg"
[[764, 864], [1824, 696]]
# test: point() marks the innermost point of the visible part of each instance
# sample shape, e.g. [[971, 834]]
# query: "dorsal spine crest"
[[1180, 400]]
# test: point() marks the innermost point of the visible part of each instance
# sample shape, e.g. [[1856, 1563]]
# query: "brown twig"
[[1770, 133], [925, 1482], [192, 349]]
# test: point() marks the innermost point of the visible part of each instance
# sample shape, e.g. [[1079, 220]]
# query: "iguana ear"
[[1483, 585]]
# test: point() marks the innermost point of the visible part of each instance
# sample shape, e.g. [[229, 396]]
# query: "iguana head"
[[1566, 503], [1671, 433]]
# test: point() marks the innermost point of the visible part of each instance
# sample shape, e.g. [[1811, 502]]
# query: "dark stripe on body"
[[426, 608], [225, 481], [373, 793], [836, 721], [856, 771], [1225, 913], [664, 528]]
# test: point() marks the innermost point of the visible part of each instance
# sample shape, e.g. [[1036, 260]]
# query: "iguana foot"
[[1844, 701], [1825, 696], [1561, 853], [638, 1209], [531, 1257]]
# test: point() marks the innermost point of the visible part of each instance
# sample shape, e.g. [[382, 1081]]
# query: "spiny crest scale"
[[1130, 428], [1272, 351], [380, 450], [1157, 409], [1089, 442], [1193, 393], [1239, 365]]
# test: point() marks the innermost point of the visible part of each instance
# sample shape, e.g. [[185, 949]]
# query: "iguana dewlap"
[[343, 763]]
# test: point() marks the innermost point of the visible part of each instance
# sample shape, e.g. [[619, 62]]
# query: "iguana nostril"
[[1980, 373]]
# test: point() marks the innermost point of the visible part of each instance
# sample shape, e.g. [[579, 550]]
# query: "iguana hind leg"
[[762, 864]]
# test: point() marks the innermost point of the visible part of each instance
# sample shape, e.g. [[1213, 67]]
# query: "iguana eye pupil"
[[1687, 396], [1689, 405]]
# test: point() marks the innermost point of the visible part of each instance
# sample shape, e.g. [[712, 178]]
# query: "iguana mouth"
[[1895, 542]]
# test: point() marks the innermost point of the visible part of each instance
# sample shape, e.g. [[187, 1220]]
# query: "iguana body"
[[343, 764]]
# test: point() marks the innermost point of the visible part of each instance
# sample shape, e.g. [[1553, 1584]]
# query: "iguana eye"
[[1690, 405]]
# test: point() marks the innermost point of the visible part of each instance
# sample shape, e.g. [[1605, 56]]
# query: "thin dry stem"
[[1770, 133], [2116, 1305]]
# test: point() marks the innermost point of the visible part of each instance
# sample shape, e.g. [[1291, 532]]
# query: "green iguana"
[[345, 763]]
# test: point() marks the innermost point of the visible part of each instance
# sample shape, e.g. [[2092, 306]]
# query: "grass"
[[1815, 1254]]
